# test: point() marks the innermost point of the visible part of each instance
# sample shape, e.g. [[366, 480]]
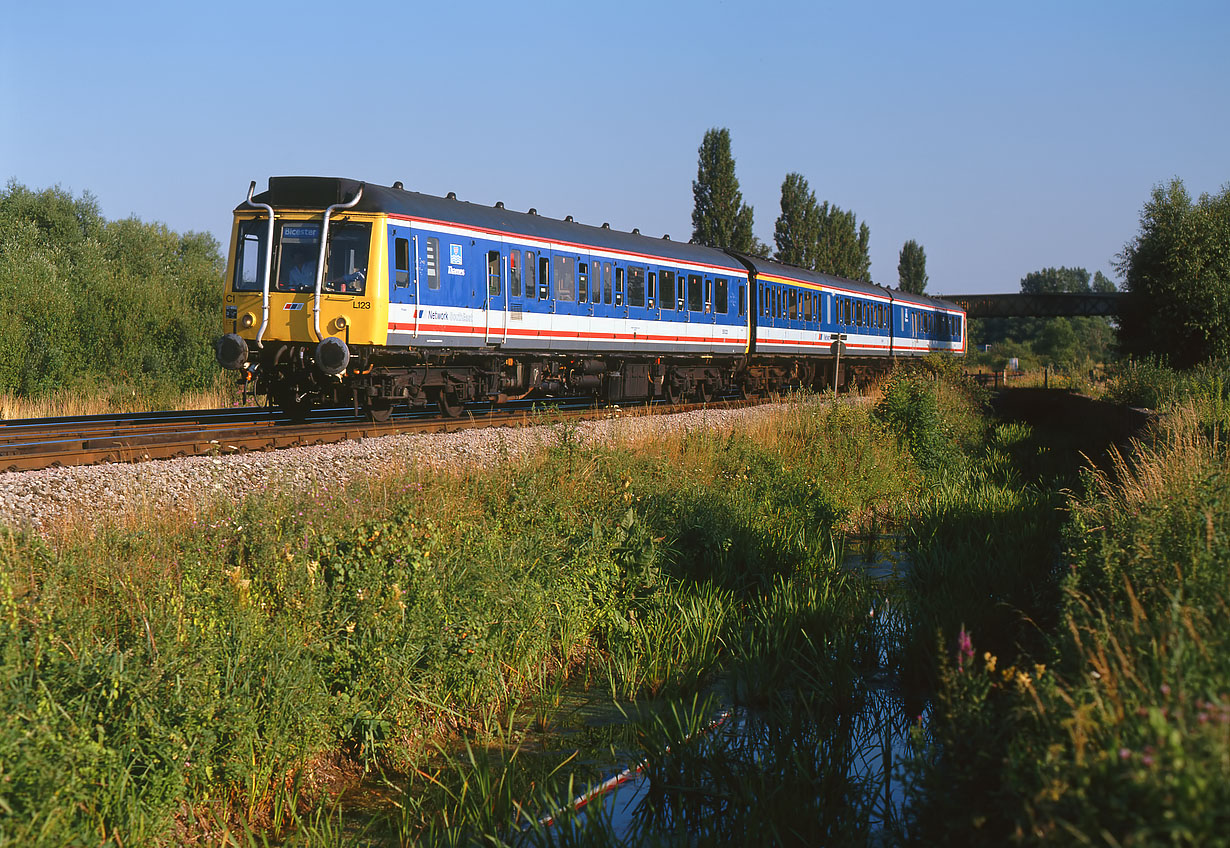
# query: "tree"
[[720, 218], [842, 245], [1177, 273], [797, 231], [912, 268]]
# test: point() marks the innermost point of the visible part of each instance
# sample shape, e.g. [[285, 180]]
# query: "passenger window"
[[742, 295], [636, 286], [401, 262], [619, 286], [696, 294], [495, 282], [583, 282], [667, 289], [563, 279], [514, 272], [606, 283], [720, 295], [794, 305], [544, 281], [530, 284], [433, 263]]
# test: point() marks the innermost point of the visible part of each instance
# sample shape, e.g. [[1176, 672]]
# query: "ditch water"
[[791, 771]]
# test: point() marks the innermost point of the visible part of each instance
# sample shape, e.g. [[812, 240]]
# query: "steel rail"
[[32, 445]]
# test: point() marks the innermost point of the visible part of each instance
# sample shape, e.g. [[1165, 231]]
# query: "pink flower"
[[965, 649]]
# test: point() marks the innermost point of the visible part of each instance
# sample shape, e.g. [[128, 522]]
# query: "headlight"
[[340, 323], [247, 321]]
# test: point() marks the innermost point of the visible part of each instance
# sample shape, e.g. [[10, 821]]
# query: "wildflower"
[[1023, 680], [1165, 690], [1039, 670], [965, 649], [1124, 753], [989, 659]]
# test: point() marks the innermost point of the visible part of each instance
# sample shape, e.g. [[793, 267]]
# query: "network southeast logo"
[[454, 254]]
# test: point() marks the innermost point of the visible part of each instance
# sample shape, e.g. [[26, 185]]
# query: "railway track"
[[33, 444]]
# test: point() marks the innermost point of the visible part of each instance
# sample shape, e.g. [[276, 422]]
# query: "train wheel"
[[672, 392], [704, 392], [380, 410], [451, 406]]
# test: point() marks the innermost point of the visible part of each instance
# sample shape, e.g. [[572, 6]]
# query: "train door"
[[496, 302], [404, 294]]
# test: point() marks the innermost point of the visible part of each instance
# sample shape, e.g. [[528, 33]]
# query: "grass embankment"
[[171, 678], [1082, 690]]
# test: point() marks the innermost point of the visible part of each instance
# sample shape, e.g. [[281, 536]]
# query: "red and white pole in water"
[[627, 774]]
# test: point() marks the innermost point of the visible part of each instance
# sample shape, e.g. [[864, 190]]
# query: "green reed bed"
[[230, 675]]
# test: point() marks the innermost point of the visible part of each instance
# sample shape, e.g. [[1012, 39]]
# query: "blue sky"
[[1003, 137]]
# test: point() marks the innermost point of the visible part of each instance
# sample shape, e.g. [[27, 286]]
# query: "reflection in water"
[[805, 767]]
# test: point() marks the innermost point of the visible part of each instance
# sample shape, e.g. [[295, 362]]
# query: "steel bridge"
[[1049, 305]]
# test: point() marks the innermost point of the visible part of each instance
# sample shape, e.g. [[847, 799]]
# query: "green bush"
[[91, 303]]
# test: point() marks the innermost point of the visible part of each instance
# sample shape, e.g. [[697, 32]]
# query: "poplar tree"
[[798, 227], [843, 244], [912, 268], [720, 218]]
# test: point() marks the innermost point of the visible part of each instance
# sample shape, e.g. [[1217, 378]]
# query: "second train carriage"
[[340, 292]]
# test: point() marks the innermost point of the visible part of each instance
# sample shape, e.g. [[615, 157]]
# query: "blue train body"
[[419, 299]]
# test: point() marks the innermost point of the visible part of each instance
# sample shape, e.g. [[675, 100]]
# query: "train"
[[341, 292]]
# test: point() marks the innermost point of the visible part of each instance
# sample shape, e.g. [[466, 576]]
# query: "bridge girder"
[[1051, 305]]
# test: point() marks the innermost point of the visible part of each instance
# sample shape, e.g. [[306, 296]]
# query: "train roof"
[[319, 192], [780, 269]]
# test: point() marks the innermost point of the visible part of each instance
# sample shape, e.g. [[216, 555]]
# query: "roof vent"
[[452, 195], [606, 225], [636, 231], [567, 217], [397, 185], [533, 211], [499, 204], [666, 237]]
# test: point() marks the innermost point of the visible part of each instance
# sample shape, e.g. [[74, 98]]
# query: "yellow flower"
[[1023, 680], [1039, 670], [989, 658]]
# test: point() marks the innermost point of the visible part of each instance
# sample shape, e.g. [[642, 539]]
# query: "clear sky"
[[1004, 137]]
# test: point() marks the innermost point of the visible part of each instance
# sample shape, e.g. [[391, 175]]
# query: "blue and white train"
[[345, 292]]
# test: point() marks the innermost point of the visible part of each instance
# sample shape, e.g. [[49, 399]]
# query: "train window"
[[583, 282], [653, 288], [956, 328], [742, 298], [495, 281], [606, 283], [806, 306], [250, 262], [666, 288], [793, 305], [431, 257], [760, 299], [346, 267], [619, 286], [401, 262], [636, 285], [696, 294], [564, 279], [708, 294], [544, 278], [514, 273], [530, 284], [721, 295]]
